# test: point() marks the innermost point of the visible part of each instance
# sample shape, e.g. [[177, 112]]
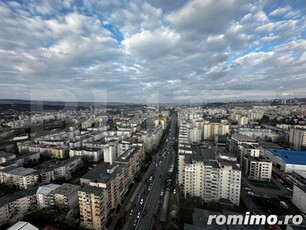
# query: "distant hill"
[[15, 105]]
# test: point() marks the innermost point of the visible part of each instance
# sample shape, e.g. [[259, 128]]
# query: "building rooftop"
[[46, 189], [207, 154], [86, 149], [242, 137], [269, 145], [19, 171], [95, 172], [21, 225], [290, 156], [66, 189], [17, 195], [127, 155], [53, 164], [91, 189]]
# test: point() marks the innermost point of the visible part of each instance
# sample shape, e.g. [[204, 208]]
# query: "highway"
[[145, 211], [165, 158]]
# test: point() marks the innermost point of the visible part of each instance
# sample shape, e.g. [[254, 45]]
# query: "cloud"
[[145, 51]]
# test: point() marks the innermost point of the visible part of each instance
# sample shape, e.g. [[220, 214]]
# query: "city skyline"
[[153, 51]]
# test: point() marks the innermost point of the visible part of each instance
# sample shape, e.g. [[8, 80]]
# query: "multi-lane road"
[[151, 189]]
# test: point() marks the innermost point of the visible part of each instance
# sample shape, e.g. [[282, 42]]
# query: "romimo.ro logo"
[[248, 219]]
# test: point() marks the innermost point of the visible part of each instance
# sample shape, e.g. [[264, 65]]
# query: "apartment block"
[[257, 168], [238, 140], [210, 179], [65, 196], [21, 177], [43, 195], [114, 180], [92, 207], [52, 170], [14, 207], [297, 138], [212, 129], [91, 154]]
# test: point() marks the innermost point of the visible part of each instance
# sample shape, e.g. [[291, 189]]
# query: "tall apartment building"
[[297, 138], [212, 129], [212, 180], [92, 207], [195, 135], [238, 140], [113, 180], [208, 178], [43, 194]]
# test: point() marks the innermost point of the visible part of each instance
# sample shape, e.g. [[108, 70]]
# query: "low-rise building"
[[21, 177], [52, 170], [13, 207], [43, 195], [287, 160], [65, 196]]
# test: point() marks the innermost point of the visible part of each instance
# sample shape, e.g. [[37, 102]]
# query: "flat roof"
[[269, 145], [66, 189], [242, 137], [46, 189], [17, 195], [290, 156], [20, 171], [21, 225], [91, 189]]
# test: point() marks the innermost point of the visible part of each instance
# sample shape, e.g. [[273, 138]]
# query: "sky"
[[152, 51]]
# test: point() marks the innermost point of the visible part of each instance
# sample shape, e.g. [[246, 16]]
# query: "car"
[[162, 193], [139, 195], [141, 201], [131, 212], [144, 213], [135, 223], [174, 191], [138, 215]]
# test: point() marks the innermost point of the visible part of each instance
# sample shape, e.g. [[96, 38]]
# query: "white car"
[[141, 202]]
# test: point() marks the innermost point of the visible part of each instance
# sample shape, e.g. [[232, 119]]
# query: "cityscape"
[[153, 115]]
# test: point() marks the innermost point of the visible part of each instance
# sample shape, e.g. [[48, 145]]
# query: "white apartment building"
[[110, 182], [93, 214], [211, 179], [257, 169], [212, 129], [297, 138], [91, 154], [195, 135], [43, 195], [21, 177]]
